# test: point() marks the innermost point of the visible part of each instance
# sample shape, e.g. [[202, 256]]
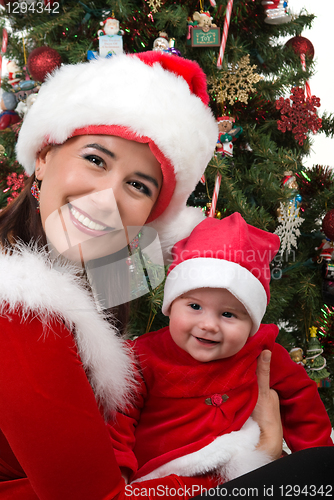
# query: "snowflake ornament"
[[298, 114], [236, 82], [155, 5], [288, 231]]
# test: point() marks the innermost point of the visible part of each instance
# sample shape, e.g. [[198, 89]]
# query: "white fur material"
[[217, 273], [160, 106], [229, 456], [31, 284]]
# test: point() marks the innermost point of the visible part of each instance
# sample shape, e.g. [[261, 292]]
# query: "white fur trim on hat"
[[217, 273], [124, 91]]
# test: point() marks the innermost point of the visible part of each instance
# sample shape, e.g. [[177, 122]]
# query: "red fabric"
[[190, 71], [51, 428], [230, 239], [173, 486], [8, 118], [54, 443], [171, 419]]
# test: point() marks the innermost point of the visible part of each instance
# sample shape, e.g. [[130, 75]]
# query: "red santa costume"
[[193, 417], [63, 367]]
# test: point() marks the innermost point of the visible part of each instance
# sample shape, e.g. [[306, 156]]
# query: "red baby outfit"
[[187, 411]]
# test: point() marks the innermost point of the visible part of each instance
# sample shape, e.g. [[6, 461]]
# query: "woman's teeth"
[[85, 221]]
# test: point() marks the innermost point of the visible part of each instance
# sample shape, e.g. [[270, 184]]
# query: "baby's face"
[[209, 323]]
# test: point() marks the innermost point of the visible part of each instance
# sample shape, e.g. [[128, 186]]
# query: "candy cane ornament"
[[307, 85], [219, 66], [3, 48], [4, 41], [215, 195], [225, 33]]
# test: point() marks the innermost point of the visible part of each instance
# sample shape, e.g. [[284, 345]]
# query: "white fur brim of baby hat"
[[149, 98]]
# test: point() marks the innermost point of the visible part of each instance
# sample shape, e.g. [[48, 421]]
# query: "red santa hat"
[[226, 119], [227, 253], [151, 97]]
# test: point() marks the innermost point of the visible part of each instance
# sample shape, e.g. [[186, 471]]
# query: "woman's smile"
[[94, 186], [84, 223]]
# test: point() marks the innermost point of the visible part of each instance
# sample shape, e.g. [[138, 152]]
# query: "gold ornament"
[[236, 83], [2, 152], [155, 5], [313, 331]]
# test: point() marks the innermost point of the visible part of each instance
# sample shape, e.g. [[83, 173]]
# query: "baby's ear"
[[41, 162]]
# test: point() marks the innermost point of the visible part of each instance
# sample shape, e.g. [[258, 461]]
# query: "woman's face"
[[97, 191]]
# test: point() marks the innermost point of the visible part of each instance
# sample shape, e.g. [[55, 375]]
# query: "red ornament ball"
[[42, 61], [328, 225], [301, 45]]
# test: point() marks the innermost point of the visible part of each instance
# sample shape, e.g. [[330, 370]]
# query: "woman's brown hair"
[[20, 220]]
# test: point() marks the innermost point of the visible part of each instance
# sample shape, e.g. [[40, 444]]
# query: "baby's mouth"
[[206, 341]]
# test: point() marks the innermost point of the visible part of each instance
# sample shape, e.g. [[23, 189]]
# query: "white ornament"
[[289, 222]]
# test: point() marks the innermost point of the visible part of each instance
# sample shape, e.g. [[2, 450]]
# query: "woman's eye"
[[97, 160], [139, 186], [197, 307], [227, 315]]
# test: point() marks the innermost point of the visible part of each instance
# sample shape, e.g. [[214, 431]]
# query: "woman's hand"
[[266, 412]]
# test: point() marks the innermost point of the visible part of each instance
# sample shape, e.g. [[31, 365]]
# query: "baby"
[[197, 377]]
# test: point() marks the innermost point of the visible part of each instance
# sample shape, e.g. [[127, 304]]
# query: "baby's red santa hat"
[[151, 97], [227, 253]]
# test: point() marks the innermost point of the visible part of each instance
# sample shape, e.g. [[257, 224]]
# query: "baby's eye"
[[227, 315], [197, 307], [97, 160]]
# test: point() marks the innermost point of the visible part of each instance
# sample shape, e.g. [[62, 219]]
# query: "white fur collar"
[[31, 283]]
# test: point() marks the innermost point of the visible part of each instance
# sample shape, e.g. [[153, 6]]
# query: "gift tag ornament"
[[202, 32], [110, 38]]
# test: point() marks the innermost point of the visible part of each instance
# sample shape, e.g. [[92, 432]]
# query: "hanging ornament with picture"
[[202, 32]]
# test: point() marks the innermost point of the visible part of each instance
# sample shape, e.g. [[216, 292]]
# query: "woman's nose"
[[104, 199]]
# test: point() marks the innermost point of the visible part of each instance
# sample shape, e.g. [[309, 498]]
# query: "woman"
[[110, 146]]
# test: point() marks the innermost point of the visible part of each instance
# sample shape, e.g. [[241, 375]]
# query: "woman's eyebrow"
[[101, 148], [148, 178]]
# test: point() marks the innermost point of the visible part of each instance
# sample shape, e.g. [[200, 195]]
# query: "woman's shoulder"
[[30, 281], [34, 286]]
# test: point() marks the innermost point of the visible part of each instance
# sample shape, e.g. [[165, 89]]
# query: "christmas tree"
[[267, 115], [315, 362]]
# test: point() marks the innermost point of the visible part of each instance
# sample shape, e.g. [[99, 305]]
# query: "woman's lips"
[[84, 223]]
